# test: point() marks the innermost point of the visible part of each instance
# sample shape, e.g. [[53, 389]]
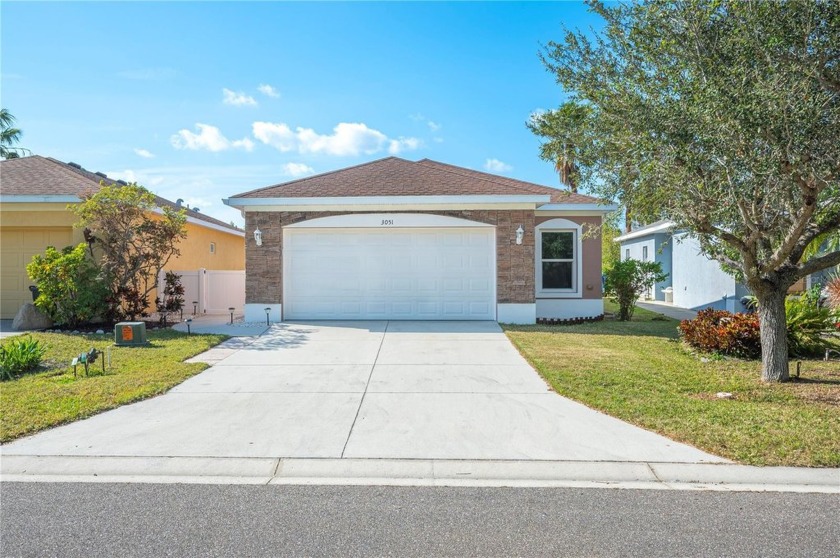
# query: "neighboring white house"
[[697, 281]]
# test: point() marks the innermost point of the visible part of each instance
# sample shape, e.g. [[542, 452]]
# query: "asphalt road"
[[204, 520]]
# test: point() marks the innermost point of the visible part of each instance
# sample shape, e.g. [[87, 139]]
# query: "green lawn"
[[641, 373], [53, 396]]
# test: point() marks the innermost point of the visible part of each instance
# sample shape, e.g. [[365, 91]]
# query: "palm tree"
[[567, 168], [9, 135]]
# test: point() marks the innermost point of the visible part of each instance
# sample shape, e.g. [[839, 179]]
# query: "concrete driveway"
[[398, 390]]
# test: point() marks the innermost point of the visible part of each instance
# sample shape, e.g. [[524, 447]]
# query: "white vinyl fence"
[[209, 291]]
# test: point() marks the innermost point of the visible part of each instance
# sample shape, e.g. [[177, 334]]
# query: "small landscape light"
[[188, 321], [267, 311], [231, 309], [195, 307]]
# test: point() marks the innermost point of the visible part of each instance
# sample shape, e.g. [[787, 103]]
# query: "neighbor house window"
[[558, 260], [212, 247], [627, 254], [644, 253]]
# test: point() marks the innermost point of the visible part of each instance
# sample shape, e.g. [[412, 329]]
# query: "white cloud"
[[297, 169], [268, 90], [279, 135], [237, 98], [433, 126], [397, 146], [494, 165], [145, 153], [346, 139], [208, 138]]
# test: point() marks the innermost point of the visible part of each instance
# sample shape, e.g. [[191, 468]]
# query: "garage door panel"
[[389, 274], [17, 247]]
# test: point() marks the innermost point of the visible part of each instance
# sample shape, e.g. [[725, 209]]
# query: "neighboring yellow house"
[[34, 194]]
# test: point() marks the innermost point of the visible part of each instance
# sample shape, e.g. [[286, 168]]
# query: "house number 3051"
[[387, 222]]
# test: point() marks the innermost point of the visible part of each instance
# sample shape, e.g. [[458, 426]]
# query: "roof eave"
[[664, 227], [366, 201], [39, 198], [576, 207]]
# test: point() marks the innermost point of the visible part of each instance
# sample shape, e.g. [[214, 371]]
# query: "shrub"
[[173, 296], [807, 324], [627, 280], [20, 355], [71, 287], [722, 332], [832, 292], [739, 334]]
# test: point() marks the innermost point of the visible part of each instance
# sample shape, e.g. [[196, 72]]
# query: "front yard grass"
[[52, 396], [639, 372]]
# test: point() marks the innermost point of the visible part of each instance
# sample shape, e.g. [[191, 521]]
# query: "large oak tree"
[[721, 116]]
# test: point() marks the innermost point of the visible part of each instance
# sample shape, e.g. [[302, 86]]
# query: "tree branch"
[[818, 264]]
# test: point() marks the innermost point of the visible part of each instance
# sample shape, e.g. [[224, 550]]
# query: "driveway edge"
[[419, 472]]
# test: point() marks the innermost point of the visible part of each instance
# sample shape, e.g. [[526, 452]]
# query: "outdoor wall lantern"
[[520, 234], [258, 236]]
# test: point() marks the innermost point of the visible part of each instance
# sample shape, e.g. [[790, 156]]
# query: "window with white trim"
[[558, 260], [627, 254], [644, 253]]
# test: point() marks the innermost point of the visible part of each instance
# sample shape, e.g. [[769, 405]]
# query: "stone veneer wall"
[[514, 263]]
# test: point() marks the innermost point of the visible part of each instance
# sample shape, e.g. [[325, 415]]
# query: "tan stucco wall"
[[27, 229], [195, 250], [591, 248]]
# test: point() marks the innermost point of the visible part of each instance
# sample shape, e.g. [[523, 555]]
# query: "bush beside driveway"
[[639, 372], [53, 396]]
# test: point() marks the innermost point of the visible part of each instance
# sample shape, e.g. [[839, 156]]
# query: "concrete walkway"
[[367, 403], [667, 309], [220, 323], [7, 331]]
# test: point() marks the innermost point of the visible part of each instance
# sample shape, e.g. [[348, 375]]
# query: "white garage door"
[[408, 274]]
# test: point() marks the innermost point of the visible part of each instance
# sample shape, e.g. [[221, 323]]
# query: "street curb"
[[418, 472]]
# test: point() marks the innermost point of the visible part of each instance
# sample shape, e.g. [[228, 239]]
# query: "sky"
[[204, 100]]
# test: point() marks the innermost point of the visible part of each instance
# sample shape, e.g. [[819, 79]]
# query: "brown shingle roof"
[[557, 195], [393, 176], [45, 176], [40, 176]]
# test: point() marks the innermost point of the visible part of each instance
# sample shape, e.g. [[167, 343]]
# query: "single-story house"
[[696, 281], [34, 194], [398, 239]]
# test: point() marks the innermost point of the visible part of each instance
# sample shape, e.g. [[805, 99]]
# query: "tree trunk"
[[774, 346]]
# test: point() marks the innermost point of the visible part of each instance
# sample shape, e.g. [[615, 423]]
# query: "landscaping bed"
[[52, 395], [640, 372]]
